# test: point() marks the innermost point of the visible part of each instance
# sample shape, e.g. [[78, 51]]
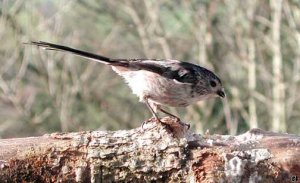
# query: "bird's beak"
[[221, 93]]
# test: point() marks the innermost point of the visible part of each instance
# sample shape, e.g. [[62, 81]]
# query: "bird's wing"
[[182, 72]]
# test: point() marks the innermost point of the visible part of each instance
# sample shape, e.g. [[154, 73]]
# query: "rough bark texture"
[[155, 153]]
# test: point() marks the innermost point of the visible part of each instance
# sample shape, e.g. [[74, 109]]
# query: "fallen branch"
[[154, 153]]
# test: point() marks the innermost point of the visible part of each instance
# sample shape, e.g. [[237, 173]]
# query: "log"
[[154, 153]]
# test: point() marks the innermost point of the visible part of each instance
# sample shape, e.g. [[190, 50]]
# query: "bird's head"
[[210, 83]]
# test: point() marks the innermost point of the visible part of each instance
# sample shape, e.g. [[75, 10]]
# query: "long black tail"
[[92, 56]]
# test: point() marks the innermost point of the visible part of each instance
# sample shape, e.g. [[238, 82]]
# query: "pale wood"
[[278, 112], [155, 153]]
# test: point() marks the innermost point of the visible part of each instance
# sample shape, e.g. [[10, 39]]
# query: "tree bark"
[[155, 153]]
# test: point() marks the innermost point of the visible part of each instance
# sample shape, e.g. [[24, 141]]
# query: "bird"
[[157, 82]]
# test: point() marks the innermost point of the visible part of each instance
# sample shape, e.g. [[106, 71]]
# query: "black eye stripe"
[[213, 83]]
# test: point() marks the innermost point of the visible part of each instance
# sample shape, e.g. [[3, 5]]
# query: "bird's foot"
[[151, 120], [173, 125], [155, 120], [178, 120]]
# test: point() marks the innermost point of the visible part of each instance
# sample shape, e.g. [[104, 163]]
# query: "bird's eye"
[[213, 83]]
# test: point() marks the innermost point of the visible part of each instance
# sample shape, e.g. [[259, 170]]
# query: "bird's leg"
[[166, 112], [151, 109], [172, 115]]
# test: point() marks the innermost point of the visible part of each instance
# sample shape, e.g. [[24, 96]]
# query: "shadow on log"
[[154, 153]]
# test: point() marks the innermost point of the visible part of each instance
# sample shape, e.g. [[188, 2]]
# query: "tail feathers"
[[92, 56]]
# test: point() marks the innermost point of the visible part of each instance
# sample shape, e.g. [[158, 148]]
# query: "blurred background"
[[252, 45]]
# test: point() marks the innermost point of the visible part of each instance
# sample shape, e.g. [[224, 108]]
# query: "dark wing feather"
[[183, 72]]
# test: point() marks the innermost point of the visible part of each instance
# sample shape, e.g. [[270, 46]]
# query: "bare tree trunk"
[[200, 34], [151, 154], [278, 84], [252, 83], [251, 55]]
